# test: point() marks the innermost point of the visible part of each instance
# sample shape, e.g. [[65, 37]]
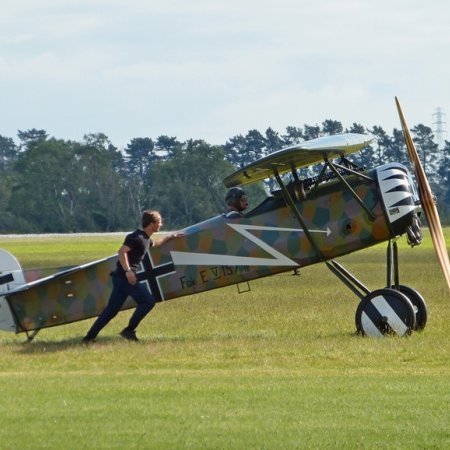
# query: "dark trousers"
[[121, 290]]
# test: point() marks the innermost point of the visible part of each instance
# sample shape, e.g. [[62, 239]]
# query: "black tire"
[[419, 304], [385, 311]]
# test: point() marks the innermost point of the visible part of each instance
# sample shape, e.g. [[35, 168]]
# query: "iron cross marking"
[[150, 275], [6, 278]]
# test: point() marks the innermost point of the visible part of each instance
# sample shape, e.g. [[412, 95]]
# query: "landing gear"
[[418, 302], [385, 311], [394, 310]]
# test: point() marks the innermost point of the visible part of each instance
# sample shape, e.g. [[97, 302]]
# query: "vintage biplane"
[[306, 221]]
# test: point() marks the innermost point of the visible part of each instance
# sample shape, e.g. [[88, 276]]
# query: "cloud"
[[214, 69]]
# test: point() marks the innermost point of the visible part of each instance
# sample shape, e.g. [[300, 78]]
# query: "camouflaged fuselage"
[[222, 251]]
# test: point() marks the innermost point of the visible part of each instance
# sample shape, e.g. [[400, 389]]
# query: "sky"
[[207, 69]]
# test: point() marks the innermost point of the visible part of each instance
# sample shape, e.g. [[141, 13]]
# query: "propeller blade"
[[426, 199]]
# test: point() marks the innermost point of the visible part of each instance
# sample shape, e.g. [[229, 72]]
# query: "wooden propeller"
[[426, 199]]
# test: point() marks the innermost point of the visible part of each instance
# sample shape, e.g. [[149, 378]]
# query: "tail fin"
[[11, 277]]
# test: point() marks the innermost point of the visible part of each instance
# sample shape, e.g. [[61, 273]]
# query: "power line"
[[439, 127]]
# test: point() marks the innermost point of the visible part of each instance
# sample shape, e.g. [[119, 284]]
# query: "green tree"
[[256, 146], [55, 185], [168, 147], [241, 150], [311, 132], [140, 157], [140, 154], [8, 153], [443, 192], [428, 151], [31, 137], [103, 185], [381, 147], [40, 195], [330, 127], [397, 149], [189, 187], [234, 148], [273, 141], [356, 128], [294, 135]]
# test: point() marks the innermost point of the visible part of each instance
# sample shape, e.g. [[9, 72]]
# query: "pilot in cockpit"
[[237, 202]]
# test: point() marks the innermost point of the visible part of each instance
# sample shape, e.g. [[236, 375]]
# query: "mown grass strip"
[[277, 367]]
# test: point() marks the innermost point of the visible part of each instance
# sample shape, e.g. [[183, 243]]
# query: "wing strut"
[[290, 202], [354, 194]]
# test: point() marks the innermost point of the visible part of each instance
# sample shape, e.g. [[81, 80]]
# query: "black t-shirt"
[[138, 241]]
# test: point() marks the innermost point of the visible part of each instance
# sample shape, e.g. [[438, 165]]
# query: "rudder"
[[11, 277]]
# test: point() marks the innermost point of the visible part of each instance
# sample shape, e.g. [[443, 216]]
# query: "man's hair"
[[149, 217]]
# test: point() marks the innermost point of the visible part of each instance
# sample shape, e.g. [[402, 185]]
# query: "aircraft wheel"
[[420, 307], [385, 311]]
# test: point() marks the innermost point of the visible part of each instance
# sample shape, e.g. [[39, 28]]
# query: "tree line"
[[50, 185]]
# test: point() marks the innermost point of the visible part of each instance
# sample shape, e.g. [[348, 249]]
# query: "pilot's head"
[[236, 199]]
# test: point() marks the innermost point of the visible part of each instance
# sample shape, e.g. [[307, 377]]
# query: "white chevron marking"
[[207, 259], [393, 319], [391, 198], [389, 172], [369, 327], [394, 197]]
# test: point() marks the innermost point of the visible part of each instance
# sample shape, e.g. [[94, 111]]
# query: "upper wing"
[[300, 155]]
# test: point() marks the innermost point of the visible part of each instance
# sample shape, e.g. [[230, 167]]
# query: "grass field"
[[279, 367]]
